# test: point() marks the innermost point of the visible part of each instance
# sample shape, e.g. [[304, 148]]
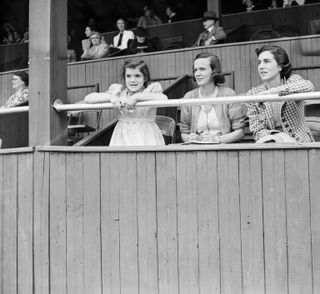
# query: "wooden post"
[[48, 71]]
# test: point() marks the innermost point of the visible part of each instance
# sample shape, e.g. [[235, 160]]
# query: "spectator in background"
[[20, 83], [140, 44], [288, 3], [98, 48], [249, 5], [86, 42], [213, 34], [25, 36], [171, 14], [120, 41], [10, 34], [149, 18], [274, 4]]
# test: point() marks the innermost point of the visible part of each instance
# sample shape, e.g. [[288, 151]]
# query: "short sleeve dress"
[[136, 127]]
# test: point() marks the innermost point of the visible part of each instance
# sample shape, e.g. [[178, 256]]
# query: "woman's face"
[[268, 67], [17, 83], [120, 24], [95, 39], [202, 71], [88, 32], [134, 79]]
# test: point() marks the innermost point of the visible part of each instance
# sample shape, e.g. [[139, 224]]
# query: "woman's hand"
[[131, 102], [118, 103]]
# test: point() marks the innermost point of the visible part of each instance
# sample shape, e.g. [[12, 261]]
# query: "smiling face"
[[95, 39], [17, 83], [202, 71], [134, 79], [268, 68], [120, 25]]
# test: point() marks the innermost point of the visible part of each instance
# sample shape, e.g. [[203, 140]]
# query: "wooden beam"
[[48, 71]]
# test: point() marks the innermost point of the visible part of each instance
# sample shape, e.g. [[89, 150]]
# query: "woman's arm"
[[100, 98], [232, 137], [294, 84]]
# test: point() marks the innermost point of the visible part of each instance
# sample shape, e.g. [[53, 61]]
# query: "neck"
[[273, 83], [207, 90]]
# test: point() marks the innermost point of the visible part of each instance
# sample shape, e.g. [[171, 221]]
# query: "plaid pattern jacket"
[[292, 112]]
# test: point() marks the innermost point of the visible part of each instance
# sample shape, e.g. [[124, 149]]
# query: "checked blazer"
[[293, 123]]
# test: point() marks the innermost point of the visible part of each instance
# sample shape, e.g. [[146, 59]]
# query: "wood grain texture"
[[167, 222], [275, 222], [250, 180], [298, 222], [189, 221]]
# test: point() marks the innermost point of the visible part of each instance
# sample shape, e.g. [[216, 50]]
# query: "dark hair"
[[218, 77], [23, 76], [91, 27], [281, 57], [141, 65]]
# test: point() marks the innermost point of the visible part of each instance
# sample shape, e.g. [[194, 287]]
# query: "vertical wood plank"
[[229, 223], [58, 225], [110, 228], [314, 159], [92, 223], [298, 222], [75, 224], [129, 266], [147, 223], [167, 223], [250, 180], [209, 245], [1, 222], [9, 222], [41, 223], [25, 218], [187, 223], [275, 231]]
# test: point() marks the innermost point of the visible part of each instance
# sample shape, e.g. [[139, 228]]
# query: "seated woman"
[[140, 44], [266, 118], [120, 41], [222, 123], [135, 126], [98, 49], [20, 83], [148, 19], [86, 42]]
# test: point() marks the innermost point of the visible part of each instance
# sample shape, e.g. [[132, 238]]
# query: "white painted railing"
[[59, 106], [14, 109]]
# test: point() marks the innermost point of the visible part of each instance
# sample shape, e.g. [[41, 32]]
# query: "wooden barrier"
[[180, 219]]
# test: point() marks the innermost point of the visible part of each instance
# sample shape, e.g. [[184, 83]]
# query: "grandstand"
[[236, 218]]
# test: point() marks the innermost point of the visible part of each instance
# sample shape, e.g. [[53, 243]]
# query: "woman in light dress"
[[136, 126], [99, 48], [220, 123]]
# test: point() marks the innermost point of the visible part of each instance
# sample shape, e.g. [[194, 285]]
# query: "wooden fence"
[[179, 219]]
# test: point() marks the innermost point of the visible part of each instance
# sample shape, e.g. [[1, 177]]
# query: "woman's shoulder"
[[257, 89], [226, 91], [192, 94], [154, 87]]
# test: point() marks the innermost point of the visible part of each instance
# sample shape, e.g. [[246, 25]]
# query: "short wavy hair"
[[280, 56], [23, 76], [141, 65], [217, 76]]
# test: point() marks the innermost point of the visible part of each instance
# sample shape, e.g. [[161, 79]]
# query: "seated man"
[[140, 44], [213, 34], [120, 41]]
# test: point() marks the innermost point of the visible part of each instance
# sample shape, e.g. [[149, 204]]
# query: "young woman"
[[280, 118], [222, 123], [99, 49], [86, 42], [135, 126], [20, 82]]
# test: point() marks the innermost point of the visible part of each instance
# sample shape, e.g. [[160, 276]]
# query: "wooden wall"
[[230, 219]]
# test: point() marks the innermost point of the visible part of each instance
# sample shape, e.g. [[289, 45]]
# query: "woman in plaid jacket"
[[287, 117]]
